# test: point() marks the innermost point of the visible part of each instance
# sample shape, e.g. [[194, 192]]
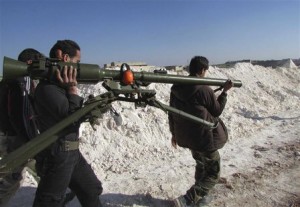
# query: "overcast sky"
[[158, 32]]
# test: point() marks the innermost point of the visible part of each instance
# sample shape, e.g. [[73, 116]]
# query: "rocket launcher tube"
[[101, 74], [92, 73]]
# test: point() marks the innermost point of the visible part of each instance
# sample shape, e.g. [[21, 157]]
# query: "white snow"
[[138, 166]]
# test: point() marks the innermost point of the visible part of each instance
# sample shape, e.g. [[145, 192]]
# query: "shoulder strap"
[[29, 115]]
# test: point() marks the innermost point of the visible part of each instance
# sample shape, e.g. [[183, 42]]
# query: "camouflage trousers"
[[207, 174]]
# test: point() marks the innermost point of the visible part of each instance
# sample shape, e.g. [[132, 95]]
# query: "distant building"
[[107, 65], [174, 67], [118, 64], [135, 66]]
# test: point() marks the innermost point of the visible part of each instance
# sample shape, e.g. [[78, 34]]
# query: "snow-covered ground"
[[260, 162]]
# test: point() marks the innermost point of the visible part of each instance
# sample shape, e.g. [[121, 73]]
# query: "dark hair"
[[69, 47], [197, 64], [29, 54]]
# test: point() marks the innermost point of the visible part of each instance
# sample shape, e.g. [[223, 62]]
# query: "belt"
[[69, 145]]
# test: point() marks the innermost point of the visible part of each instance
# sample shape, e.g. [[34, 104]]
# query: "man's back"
[[200, 101]]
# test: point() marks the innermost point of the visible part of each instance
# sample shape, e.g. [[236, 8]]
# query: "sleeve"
[[56, 101], [214, 105], [75, 102]]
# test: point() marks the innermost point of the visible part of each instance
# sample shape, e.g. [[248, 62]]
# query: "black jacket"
[[53, 104], [200, 101]]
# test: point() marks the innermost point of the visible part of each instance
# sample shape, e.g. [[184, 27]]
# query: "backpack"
[[17, 111]]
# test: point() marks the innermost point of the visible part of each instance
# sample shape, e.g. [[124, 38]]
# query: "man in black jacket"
[[62, 165], [16, 121], [200, 101]]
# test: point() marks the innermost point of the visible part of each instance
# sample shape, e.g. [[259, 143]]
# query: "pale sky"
[[158, 32]]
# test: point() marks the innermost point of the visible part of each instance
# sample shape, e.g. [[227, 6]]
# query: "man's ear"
[[203, 71], [59, 54], [65, 57]]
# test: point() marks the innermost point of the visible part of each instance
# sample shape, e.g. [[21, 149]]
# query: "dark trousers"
[[62, 170], [207, 174]]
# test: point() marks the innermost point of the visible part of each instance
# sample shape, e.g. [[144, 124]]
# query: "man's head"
[[198, 66], [29, 54], [66, 50]]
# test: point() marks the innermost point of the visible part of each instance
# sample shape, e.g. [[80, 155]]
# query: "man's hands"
[[228, 85], [68, 79]]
